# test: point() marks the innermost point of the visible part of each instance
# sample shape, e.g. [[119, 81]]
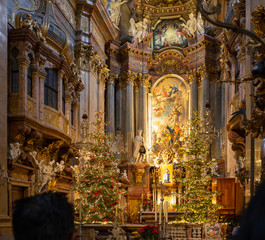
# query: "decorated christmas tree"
[[196, 199], [97, 187]]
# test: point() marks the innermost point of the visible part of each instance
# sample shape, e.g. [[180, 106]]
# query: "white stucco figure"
[[124, 174], [138, 144], [117, 233], [118, 145], [194, 25], [200, 24], [59, 166], [46, 173], [114, 11], [138, 30], [14, 150]]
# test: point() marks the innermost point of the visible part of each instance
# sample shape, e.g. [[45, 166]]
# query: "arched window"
[[51, 88], [15, 72], [29, 81]]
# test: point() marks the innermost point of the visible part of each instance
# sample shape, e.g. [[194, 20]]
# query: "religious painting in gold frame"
[[166, 173], [169, 113]]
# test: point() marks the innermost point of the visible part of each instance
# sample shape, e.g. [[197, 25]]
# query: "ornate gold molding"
[[103, 74], [258, 19]]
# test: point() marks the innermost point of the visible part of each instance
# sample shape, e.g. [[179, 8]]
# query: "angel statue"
[[138, 30], [115, 12], [46, 173], [14, 150], [194, 25]]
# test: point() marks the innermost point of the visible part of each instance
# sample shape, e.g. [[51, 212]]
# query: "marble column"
[[119, 105], [60, 97], [193, 95], [68, 102], [5, 220], [129, 109], [60, 89], [142, 117], [205, 93], [149, 119], [136, 107], [41, 91], [23, 86], [36, 90], [110, 108], [76, 122]]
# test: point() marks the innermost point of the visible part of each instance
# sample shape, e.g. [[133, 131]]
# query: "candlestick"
[[155, 211], [166, 211], [160, 213]]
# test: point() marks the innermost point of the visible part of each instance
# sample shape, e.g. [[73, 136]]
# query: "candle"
[[155, 212], [160, 213], [142, 197], [166, 211]]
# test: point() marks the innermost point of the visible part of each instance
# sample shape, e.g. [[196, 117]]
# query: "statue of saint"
[[115, 12], [194, 25], [138, 30], [138, 147]]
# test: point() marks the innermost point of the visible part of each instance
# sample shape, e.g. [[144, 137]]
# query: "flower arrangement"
[[150, 232], [148, 204]]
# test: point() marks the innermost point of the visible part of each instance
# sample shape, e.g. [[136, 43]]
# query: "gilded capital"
[[112, 78], [144, 80], [129, 77], [192, 75]]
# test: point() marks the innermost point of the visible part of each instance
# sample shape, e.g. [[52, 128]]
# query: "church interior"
[[135, 95]]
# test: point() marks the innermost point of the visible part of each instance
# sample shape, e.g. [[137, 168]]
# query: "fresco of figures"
[[169, 113], [169, 33]]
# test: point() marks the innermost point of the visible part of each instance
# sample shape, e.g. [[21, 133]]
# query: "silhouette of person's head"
[[252, 226], [47, 216]]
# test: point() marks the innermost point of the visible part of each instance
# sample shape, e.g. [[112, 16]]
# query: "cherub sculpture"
[[14, 150], [138, 30]]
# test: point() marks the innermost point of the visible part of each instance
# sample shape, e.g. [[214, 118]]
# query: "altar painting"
[[168, 114], [167, 173], [169, 33]]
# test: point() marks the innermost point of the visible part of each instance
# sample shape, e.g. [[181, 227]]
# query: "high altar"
[[149, 65]]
